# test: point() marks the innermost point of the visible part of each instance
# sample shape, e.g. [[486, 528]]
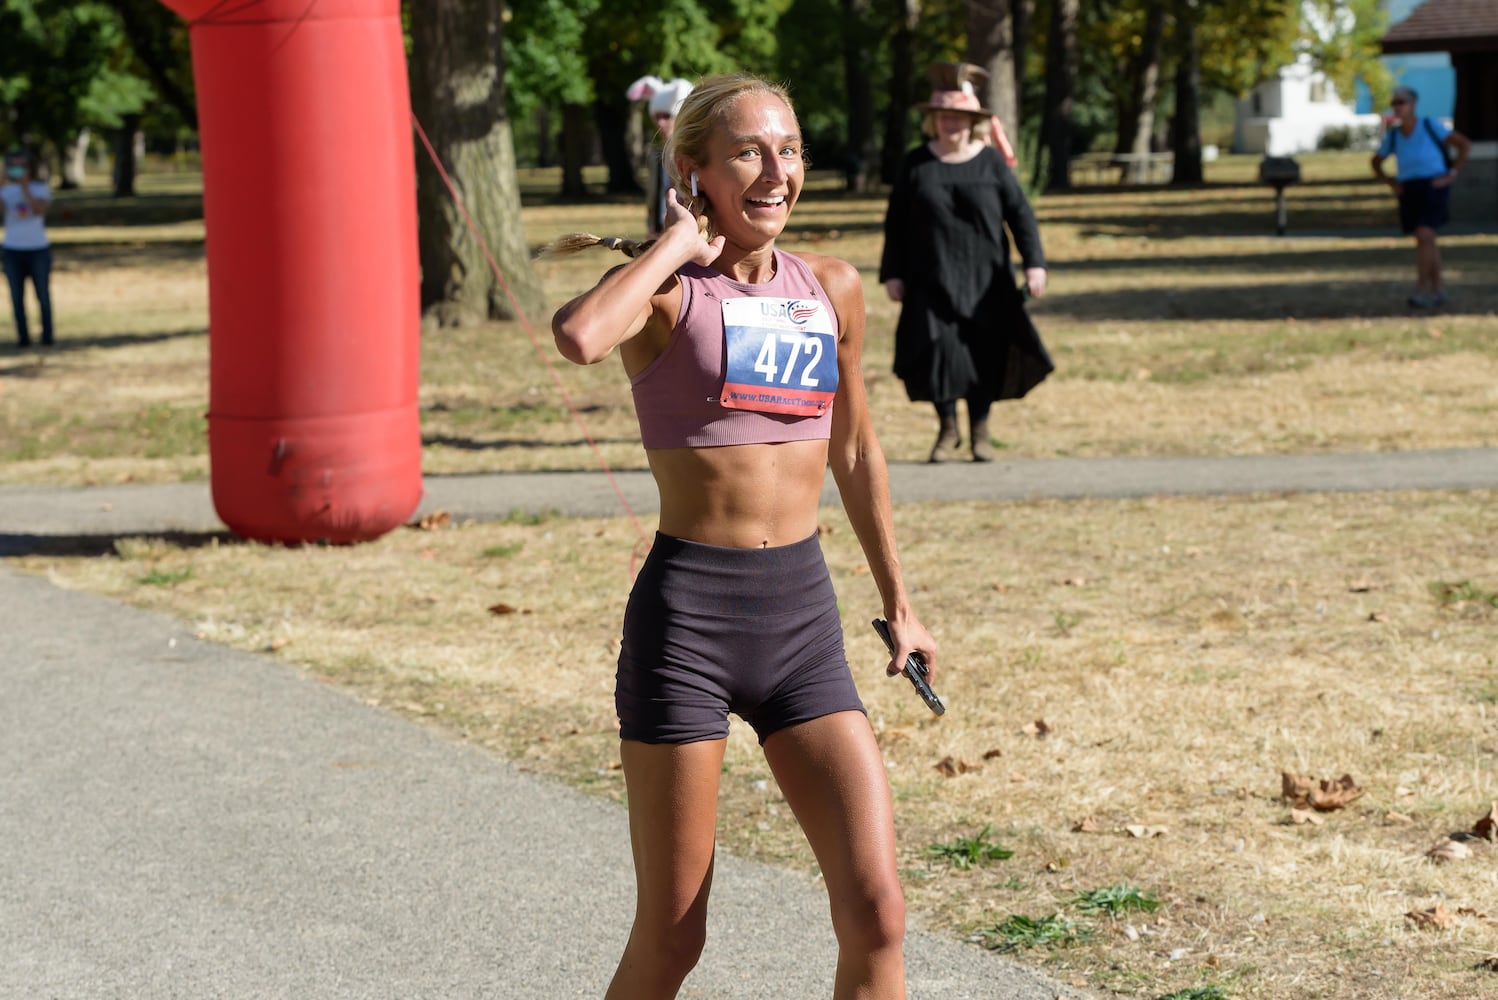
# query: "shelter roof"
[[1446, 26]]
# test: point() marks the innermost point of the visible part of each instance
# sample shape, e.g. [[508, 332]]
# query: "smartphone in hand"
[[915, 669]]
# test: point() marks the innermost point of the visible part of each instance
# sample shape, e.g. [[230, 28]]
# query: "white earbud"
[[694, 183]]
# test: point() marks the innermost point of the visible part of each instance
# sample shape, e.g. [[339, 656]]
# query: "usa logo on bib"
[[781, 356]]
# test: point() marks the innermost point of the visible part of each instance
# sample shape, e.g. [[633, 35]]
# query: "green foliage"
[[1463, 593], [1342, 39], [1016, 931], [1115, 900], [164, 577], [965, 852], [1196, 993]]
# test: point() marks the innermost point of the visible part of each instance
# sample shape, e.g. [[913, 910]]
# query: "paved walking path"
[[41, 511], [178, 819]]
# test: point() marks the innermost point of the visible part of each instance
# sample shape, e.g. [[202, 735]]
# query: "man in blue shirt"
[[1428, 157]]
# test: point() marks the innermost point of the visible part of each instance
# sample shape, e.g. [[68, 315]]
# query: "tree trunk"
[[124, 156], [545, 150], [75, 160], [860, 89], [1185, 127], [1022, 13], [612, 117], [1060, 84], [901, 88], [1136, 125], [990, 44], [457, 90], [577, 139]]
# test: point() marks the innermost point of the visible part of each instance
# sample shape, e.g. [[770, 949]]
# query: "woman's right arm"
[[588, 328]]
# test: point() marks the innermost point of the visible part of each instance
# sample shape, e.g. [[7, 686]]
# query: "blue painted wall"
[[1428, 73]]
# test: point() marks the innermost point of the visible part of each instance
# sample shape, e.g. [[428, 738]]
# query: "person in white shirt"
[[27, 251]]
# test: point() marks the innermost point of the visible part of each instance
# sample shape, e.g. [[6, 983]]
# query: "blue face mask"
[[15, 173]]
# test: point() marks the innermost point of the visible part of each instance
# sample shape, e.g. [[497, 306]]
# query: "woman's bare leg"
[[673, 809], [832, 774]]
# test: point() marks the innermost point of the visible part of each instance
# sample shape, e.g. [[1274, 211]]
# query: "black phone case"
[[914, 669]]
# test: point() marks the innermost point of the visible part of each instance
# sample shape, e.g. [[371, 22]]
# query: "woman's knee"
[[672, 948], [874, 919]]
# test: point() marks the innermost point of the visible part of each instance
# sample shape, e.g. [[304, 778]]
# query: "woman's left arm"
[[1020, 219], [859, 468]]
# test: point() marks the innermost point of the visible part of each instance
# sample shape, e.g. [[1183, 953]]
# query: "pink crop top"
[[679, 398]]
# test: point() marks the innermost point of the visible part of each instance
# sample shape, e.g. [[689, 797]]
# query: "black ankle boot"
[[947, 441]]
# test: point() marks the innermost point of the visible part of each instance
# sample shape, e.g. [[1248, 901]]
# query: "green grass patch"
[[967, 852], [1196, 993], [1016, 931], [1462, 594], [502, 551], [164, 577], [1115, 900]]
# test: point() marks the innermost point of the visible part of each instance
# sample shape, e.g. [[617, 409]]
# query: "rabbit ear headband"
[[665, 98]]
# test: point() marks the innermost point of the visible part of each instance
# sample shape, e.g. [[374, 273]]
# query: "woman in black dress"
[[963, 331]]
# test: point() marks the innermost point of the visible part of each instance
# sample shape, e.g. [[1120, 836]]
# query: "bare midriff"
[[746, 496]]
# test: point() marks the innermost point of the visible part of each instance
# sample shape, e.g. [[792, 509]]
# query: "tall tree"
[[1060, 86], [1136, 118], [859, 87], [901, 88], [458, 95], [990, 44], [1342, 39], [1185, 127]]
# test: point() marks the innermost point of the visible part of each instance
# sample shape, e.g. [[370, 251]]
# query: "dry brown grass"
[[1181, 652]]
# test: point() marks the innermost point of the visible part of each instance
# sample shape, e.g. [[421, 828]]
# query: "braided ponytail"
[[574, 242]]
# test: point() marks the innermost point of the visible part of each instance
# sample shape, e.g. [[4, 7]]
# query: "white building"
[[1289, 112]]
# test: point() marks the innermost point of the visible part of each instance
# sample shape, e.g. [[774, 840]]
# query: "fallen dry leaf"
[[436, 519], [1449, 850], [507, 609], [1467, 911], [1302, 816], [1398, 817], [1487, 827], [951, 767], [1489, 964], [1378, 616], [991, 754], [1037, 729], [1437, 917], [1145, 832], [1085, 825], [279, 642], [1303, 791], [1361, 586]]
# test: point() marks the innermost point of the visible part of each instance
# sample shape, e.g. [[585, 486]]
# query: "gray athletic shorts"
[[711, 630]]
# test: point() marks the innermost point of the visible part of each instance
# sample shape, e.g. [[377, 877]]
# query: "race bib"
[[781, 355]]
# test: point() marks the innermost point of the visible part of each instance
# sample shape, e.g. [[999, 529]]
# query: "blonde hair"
[[981, 128], [696, 120]]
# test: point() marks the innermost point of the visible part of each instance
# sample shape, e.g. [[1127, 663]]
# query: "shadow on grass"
[[95, 546], [126, 253], [518, 444], [92, 207], [1326, 300], [30, 362]]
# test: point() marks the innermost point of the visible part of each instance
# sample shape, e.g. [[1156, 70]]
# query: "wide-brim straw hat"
[[954, 87]]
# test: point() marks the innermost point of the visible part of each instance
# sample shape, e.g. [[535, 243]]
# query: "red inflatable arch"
[[314, 320]]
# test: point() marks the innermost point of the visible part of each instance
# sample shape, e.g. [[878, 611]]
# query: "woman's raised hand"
[[681, 224]]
